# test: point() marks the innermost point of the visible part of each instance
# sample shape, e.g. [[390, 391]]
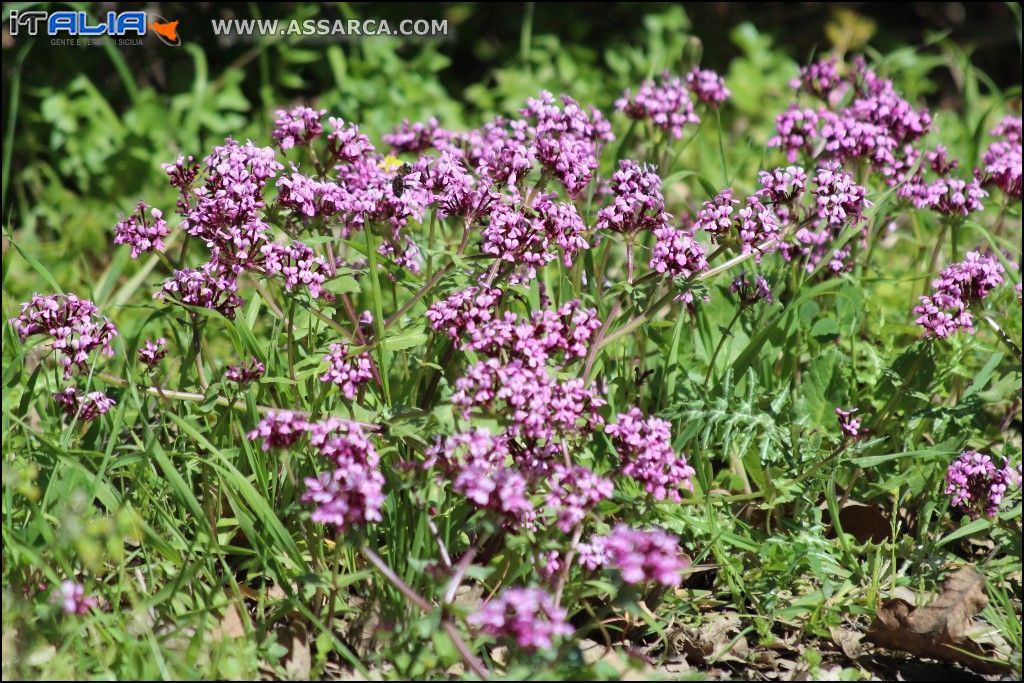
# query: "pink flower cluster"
[[152, 352], [352, 493], [639, 555], [297, 126], [417, 137], [876, 125], [245, 374], [527, 616], [279, 429], [74, 326], [296, 264], [707, 86], [574, 491], [645, 448], [638, 203], [947, 309], [1002, 159], [205, 287], [142, 234], [566, 139], [977, 486], [750, 290], [848, 424], [84, 407], [480, 468], [347, 372], [665, 101], [73, 600], [535, 405]]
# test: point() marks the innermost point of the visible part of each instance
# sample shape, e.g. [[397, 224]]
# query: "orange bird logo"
[[167, 29]]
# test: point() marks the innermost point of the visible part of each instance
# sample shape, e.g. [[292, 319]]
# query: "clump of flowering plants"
[[549, 362]]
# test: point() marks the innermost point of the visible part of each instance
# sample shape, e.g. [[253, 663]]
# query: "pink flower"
[[527, 616], [645, 448], [665, 101], [244, 374], [73, 599], [74, 325], [640, 556], [977, 485], [84, 407], [848, 424], [708, 86], [347, 372], [279, 429], [152, 352], [297, 126], [140, 233]]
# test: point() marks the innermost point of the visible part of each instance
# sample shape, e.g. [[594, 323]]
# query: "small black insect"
[[398, 182]]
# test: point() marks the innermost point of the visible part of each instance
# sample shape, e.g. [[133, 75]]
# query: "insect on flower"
[[398, 183]]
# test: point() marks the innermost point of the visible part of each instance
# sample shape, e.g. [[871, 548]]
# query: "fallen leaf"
[[713, 640], [231, 624], [298, 662], [849, 641], [866, 523], [938, 631]]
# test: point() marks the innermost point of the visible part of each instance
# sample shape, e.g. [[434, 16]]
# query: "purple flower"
[[464, 313], [346, 144], [244, 374], [343, 442], [818, 79], [348, 496], [782, 185], [567, 140], [848, 424], [225, 210], [708, 86], [796, 130], [140, 233], [640, 556], [535, 405], [478, 464], [958, 287], [977, 485], [205, 287], [664, 101], [715, 216], [297, 126], [839, 200], [347, 372], [417, 137], [73, 599], [677, 253], [527, 616], [573, 492], [751, 290], [296, 264], [638, 204], [645, 449], [279, 429], [757, 227], [74, 325], [947, 196], [84, 407], [152, 352]]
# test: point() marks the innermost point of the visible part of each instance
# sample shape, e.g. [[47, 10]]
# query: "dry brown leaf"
[[712, 641], [231, 624], [297, 663], [866, 522], [938, 631], [849, 641]]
